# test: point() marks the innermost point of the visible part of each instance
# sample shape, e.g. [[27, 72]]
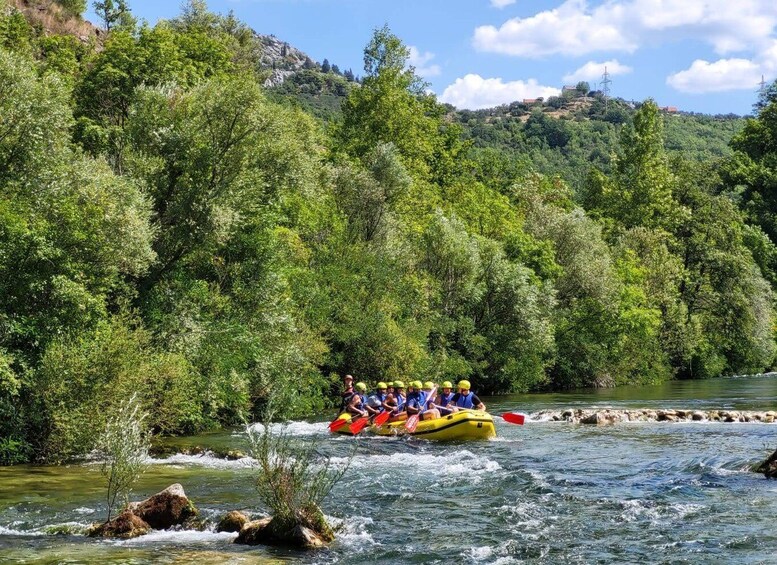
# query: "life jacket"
[[346, 396], [380, 396], [360, 403], [465, 401], [400, 398], [445, 399]]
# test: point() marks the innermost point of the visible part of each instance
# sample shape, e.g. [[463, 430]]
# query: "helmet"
[[381, 386], [399, 384], [347, 377], [361, 386], [418, 384], [447, 384], [464, 385], [429, 385]]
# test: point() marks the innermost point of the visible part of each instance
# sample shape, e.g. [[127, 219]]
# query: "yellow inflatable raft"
[[464, 425]]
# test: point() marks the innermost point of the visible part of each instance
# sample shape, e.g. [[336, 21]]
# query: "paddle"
[[412, 421], [513, 418], [382, 418], [359, 424], [337, 424]]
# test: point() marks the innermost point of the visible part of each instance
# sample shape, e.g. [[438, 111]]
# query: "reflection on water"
[[543, 492]]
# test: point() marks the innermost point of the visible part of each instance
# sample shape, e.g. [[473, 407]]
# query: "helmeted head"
[[447, 385], [381, 387], [428, 385], [464, 385], [348, 379], [361, 387], [399, 385]]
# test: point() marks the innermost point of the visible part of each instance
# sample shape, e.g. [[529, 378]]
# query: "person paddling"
[[444, 399], [399, 398], [466, 399], [375, 401], [430, 413], [357, 407]]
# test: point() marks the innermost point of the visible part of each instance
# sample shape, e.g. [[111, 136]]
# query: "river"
[[545, 492]]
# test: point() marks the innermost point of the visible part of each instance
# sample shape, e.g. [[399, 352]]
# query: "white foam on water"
[[299, 428], [353, 532], [178, 537], [455, 464], [206, 459], [4, 531], [480, 553], [84, 510], [537, 477]]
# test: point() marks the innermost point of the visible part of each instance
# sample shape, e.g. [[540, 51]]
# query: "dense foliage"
[[170, 230]]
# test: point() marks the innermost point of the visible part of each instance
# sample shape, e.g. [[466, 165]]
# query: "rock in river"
[[165, 509], [308, 530]]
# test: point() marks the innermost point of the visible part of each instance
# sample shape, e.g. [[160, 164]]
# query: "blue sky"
[[699, 55]]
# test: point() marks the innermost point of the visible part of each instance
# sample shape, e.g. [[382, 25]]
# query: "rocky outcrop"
[[232, 522], [165, 509], [125, 526], [768, 467], [308, 530], [605, 416]]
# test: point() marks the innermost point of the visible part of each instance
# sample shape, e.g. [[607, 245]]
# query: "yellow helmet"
[[399, 384], [381, 386], [417, 384], [361, 386], [447, 384], [464, 384], [428, 385]]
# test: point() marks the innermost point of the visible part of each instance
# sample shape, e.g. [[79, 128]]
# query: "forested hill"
[[171, 225]]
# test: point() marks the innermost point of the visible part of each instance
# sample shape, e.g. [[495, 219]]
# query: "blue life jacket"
[[465, 401], [360, 404], [380, 396], [445, 399], [400, 402]]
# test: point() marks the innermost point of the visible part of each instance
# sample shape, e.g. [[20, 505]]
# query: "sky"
[[704, 56]]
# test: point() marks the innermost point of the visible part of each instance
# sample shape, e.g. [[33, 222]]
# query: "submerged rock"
[[232, 522], [768, 467], [165, 509], [309, 530], [125, 526]]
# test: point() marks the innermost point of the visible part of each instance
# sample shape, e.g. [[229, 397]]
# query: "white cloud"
[[501, 3], [726, 74], [722, 75], [575, 28], [593, 71], [420, 62], [473, 91]]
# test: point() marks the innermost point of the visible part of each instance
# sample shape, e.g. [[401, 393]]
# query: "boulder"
[[126, 525], [698, 416], [308, 530], [165, 509], [768, 467], [232, 522]]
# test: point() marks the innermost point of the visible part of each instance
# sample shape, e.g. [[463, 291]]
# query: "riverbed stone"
[[232, 522], [768, 467], [308, 530], [168, 508], [124, 526], [698, 416]]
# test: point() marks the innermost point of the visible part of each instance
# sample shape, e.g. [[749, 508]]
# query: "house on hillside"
[[567, 88], [669, 109], [532, 101]]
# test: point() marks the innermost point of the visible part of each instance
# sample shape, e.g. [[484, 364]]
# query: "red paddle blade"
[[514, 418], [359, 424], [337, 424], [411, 423], [382, 418]]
